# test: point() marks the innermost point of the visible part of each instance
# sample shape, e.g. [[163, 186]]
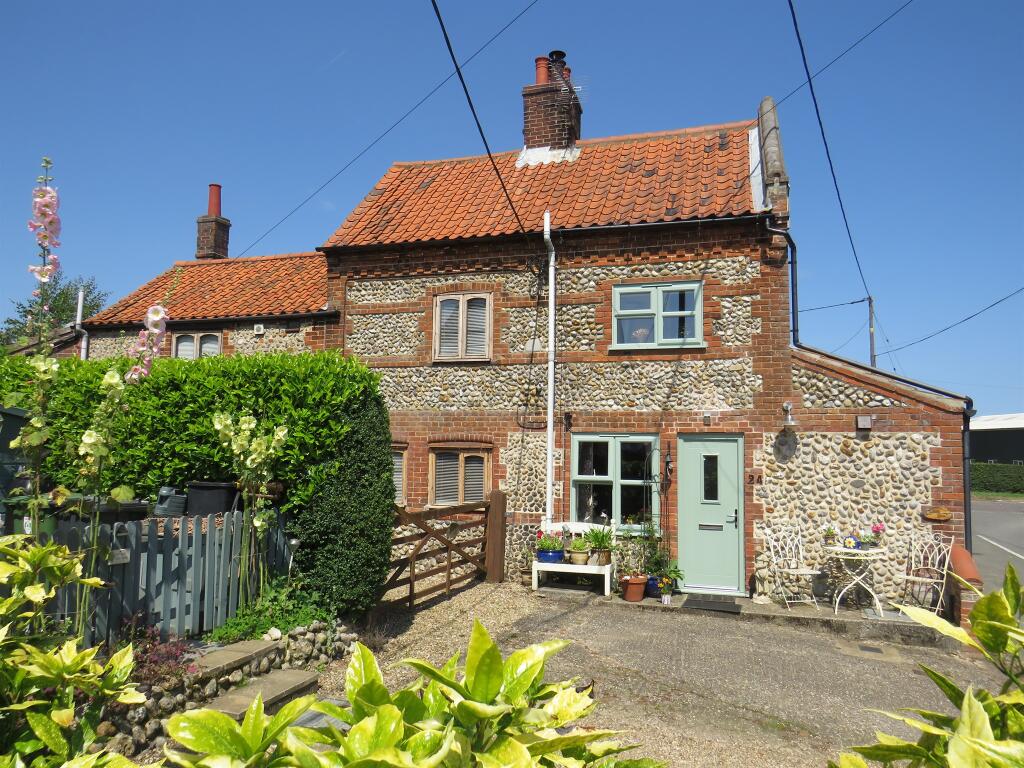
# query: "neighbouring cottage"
[[677, 366]]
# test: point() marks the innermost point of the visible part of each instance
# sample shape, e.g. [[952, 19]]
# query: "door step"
[[720, 603], [277, 688]]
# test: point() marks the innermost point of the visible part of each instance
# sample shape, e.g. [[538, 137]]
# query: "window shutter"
[[448, 328], [446, 478], [398, 475], [209, 345], [185, 347], [476, 327], [473, 481]]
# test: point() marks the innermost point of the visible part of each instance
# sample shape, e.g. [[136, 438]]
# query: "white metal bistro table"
[[602, 570], [856, 565]]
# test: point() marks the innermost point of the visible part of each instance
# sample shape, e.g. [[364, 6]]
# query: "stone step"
[[224, 661], [278, 688]]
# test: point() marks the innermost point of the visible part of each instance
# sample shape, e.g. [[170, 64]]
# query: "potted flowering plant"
[[667, 582], [872, 538], [829, 534], [579, 551], [601, 541], [550, 547]]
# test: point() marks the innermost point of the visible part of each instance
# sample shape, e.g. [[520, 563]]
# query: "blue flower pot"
[[652, 589], [550, 555]]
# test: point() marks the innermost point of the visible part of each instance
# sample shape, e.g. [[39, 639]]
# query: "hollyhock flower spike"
[[156, 317]]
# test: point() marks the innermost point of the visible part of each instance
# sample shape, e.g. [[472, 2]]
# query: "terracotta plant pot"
[[633, 588], [604, 556], [579, 558]]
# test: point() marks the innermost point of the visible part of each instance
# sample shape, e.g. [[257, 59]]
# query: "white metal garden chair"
[[924, 581], [792, 578]]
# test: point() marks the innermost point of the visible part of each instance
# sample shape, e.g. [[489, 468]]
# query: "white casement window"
[[462, 327], [192, 346], [656, 315], [458, 476], [398, 474], [615, 479]]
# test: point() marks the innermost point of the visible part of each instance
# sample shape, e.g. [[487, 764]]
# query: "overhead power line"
[[476, 118], [855, 335], [828, 152], [389, 129], [833, 306], [954, 325]]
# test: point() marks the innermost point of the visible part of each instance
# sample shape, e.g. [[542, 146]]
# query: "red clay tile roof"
[[258, 286], [659, 177]]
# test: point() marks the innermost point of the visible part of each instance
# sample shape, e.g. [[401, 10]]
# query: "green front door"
[[711, 513]]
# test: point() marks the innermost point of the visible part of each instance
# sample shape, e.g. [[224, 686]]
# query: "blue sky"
[[141, 105]]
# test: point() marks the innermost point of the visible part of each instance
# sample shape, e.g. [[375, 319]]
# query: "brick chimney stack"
[[212, 229], [551, 109]]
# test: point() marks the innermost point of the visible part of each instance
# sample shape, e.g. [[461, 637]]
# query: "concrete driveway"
[[695, 689], [998, 538]]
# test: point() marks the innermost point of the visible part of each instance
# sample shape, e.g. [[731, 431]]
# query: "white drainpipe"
[[549, 497], [83, 350]]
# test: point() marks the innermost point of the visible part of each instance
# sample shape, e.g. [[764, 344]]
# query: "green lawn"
[[997, 496]]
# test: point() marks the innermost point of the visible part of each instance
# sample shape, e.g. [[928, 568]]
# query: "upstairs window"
[[458, 477], [191, 346], [462, 327], [657, 315]]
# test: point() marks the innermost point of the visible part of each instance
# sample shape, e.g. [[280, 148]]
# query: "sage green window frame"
[[614, 478], [658, 314]]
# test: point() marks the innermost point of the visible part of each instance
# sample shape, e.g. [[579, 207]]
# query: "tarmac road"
[[998, 535]]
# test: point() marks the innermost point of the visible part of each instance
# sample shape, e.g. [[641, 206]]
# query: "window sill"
[[649, 347], [460, 360]]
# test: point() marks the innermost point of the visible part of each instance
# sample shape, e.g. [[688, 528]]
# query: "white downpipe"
[[549, 495], [83, 351]]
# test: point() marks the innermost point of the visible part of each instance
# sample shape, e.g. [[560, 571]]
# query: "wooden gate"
[[455, 544]]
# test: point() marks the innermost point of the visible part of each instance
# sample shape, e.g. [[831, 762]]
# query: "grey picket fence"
[[179, 574]]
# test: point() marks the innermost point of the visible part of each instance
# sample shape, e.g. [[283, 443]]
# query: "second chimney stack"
[[212, 229], [551, 108]]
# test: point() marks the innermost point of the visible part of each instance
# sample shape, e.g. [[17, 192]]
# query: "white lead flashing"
[[756, 181], [532, 156]]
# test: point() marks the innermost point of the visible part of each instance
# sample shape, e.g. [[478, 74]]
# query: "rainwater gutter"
[[549, 492]]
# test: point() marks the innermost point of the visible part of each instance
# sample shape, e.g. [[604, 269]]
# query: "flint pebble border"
[[128, 730]]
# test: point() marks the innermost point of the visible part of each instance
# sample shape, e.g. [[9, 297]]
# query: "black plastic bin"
[[206, 498]]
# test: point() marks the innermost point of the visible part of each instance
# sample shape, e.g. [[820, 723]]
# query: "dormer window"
[[462, 327]]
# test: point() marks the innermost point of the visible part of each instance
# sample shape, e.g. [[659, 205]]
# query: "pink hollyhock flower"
[[156, 318], [133, 374]]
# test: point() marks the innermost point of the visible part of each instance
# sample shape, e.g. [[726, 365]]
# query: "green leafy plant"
[[481, 710], [988, 728], [579, 544], [601, 538], [282, 605], [52, 693], [547, 542]]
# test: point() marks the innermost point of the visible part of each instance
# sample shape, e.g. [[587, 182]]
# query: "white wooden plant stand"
[[604, 570]]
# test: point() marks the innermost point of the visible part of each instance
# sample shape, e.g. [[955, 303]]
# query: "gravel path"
[[694, 689]]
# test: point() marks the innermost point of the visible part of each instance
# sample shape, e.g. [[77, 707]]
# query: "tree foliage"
[[62, 296]]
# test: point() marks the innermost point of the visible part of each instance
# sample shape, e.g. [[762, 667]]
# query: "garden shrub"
[[281, 605], [165, 436], [346, 529], [997, 478]]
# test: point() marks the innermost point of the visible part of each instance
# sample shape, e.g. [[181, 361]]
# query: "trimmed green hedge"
[[330, 403], [997, 478]]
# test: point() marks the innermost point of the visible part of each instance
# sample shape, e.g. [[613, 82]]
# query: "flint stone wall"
[[732, 270], [737, 325], [130, 729], [524, 461], [378, 335], [720, 385], [576, 327], [819, 477], [105, 344], [275, 338], [821, 391]]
